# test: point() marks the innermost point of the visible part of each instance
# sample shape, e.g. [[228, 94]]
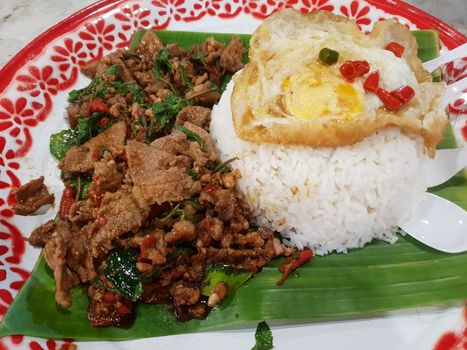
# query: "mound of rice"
[[326, 199]]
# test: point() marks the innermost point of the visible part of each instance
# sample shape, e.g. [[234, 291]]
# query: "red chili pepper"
[[404, 93], [396, 48], [123, 309], [291, 265], [148, 242], [109, 297], [96, 153], [362, 67], [103, 122], [98, 106], [348, 71], [68, 198], [390, 102], [371, 83]]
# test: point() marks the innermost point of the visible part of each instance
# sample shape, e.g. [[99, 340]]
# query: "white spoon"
[[446, 164], [458, 52], [439, 224]]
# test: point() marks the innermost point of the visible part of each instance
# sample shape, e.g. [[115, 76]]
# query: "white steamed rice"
[[346, 196]]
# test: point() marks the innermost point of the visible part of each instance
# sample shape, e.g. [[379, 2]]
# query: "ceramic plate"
[[33, 91]]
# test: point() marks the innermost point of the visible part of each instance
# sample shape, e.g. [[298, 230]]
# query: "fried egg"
[[286, 95]]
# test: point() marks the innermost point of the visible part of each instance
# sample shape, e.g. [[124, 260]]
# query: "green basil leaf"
[[190, 135], [263, 337], [122, 272]]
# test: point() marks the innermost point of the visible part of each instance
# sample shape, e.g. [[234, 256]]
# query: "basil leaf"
[[165, 112], [61, 142], [75, 95], [162, 63], [263, 336], [190, 135], [115, 69], [122, 272], [223, 273]]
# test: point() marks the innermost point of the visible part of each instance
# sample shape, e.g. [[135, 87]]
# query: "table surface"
[[22, 20]]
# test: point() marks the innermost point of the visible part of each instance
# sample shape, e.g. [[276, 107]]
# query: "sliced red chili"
[[68, 198], [348, 71], [211, 188], [103, 122], [390, 102], [362, 67], [148, 242], [404, 93], [99, 107], [396, 48], [371, 83], [291, 265], [109, 297]]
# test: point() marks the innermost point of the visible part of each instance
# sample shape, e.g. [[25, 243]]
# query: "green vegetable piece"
[[115, 69], [138, 95], [75, 95], [136, 40], [190, 135], [85, 184], [263, 337], [122, 272], [428, 48], [223, 273], [162, 63], [61, 142], [87, 127], [194, 175], [225, 80], [328, 56], [199, 56], [185, 79], [165, 112], [119, 86], [221, 167]]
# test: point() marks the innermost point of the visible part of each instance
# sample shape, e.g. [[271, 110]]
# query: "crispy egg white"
[[286, 95]]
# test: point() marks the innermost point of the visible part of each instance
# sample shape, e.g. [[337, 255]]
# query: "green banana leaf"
[[378, 278]]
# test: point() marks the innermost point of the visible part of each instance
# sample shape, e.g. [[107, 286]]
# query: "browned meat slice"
[[184, 295], [175, 143], [202, 155], [200, 116], [150, 44], [31, 196], [231, 58], [73, 111], [119, 213], [153, 249], [81, 212], [55, 252], [78, 250], [81, 159], [108, 176], [223, 201], [42, 234], [204, 94], [213, 50], [107, 308], [155, 181], [182, 231]]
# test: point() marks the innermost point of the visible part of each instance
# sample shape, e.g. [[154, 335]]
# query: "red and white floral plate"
[[33, 91]]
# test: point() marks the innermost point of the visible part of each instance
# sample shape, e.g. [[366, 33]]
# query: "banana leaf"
[[371, 281]]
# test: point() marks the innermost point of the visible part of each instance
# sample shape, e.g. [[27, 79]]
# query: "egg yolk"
[[318, 91]]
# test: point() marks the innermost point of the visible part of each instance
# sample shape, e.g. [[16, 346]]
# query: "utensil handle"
[[458, 52]]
